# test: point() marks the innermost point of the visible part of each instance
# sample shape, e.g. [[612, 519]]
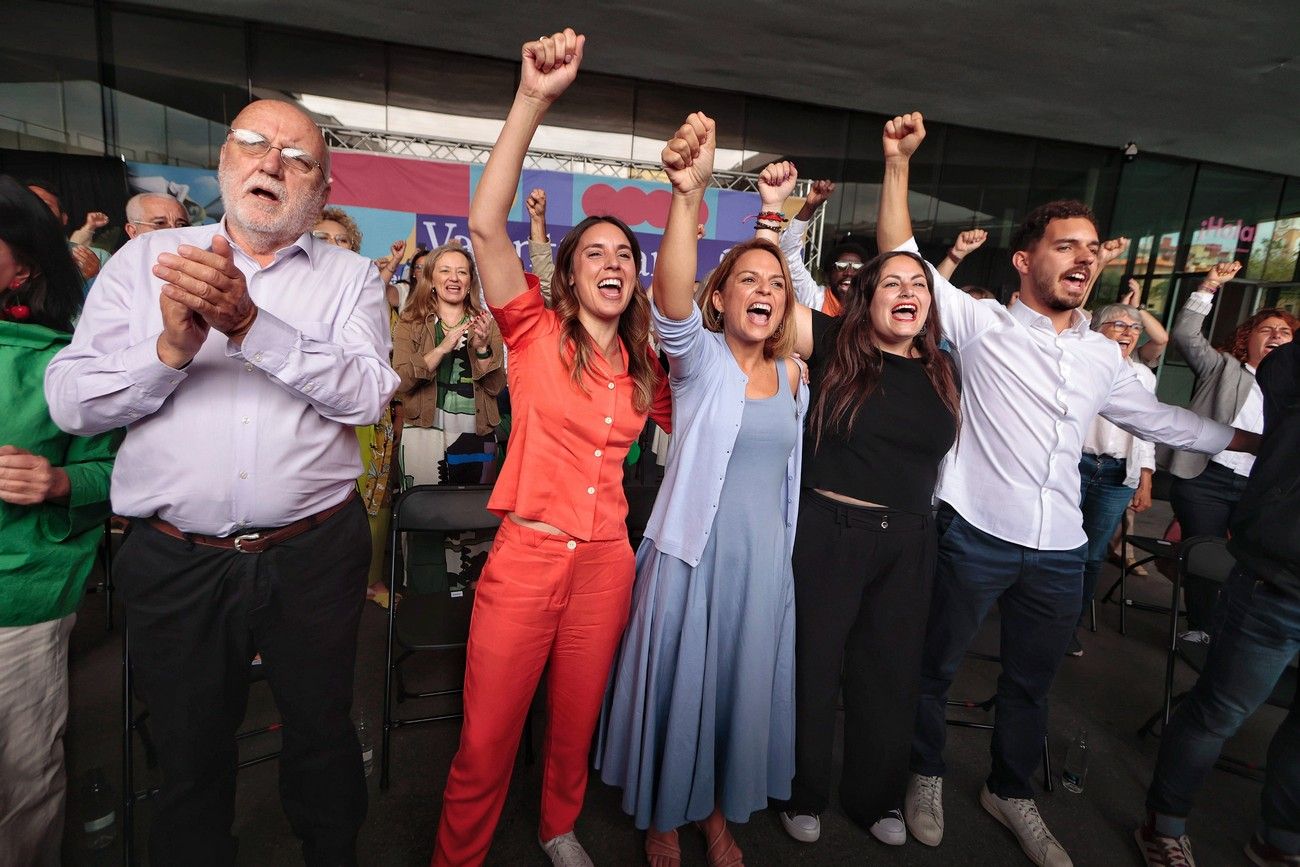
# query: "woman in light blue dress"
[[698, 724]]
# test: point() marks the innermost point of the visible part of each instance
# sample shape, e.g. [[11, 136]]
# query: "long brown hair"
[[854, 364], [781, 343], [422, 302], [633, 324], [1236, 345]]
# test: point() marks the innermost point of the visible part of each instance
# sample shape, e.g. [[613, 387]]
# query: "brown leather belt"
[[255, 542]]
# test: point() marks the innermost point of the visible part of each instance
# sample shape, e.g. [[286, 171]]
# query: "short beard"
[[269, 233], [1047, 295]]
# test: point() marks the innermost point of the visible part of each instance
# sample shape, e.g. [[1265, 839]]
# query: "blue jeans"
[[1038, 594], [1103, 500], [1256, 635]]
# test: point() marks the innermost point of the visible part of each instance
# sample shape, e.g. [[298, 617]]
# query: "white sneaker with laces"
[[565, 851], [1021, 817], [804, 827], [889, 829], [923, 809]]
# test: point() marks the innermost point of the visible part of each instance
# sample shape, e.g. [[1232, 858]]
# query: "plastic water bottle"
[[1076, 763], [367, 743], [99, 812]]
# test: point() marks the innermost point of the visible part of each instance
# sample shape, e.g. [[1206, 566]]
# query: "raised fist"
[[1111, 250], [550, 64], [688, 155], [969, 241], [535, 204], [1220, 274], [820, 192], [775, 183], [903, 135]]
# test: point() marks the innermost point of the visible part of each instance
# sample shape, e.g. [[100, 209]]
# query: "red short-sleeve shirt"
[[564, 462]]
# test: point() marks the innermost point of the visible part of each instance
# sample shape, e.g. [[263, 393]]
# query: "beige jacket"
[[418, 390]]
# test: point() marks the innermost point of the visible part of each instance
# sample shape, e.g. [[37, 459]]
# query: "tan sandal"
[[723, 851], [664, 847]]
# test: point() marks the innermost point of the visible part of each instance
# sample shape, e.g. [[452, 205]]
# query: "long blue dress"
[[700, 709]]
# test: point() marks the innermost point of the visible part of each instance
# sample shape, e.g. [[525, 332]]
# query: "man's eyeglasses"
[[1123, 327], [257, 145], [336, 240], [163, 223], [848, 266]]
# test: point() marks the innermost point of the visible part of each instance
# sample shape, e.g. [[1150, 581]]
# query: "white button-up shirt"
[[1250, 417], [1029, 395], [258, 435]]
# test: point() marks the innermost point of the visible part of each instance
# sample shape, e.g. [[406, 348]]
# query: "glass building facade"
[[117, 80]]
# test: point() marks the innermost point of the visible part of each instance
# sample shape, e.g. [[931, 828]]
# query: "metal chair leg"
[[1092, 614], [386, 737]]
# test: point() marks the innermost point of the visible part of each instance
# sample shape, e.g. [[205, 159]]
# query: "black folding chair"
[[430, 622], [1152, 548], [987, 705], [1206, 558]]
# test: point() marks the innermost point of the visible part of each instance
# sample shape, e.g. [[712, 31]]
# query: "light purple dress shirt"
[[253, 436]]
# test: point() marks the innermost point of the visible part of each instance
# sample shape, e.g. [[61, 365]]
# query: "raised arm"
[[539, 243], [775, 183], [902, 136], [688, 161], [778, 179], [1108, 252], [1203, 358], [1157, 337], [963, 318], [967, 242], [548, 67]]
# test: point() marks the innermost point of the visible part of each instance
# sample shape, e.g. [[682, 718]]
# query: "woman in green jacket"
[[53, 502]]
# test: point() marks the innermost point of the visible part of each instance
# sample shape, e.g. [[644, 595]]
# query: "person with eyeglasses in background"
[[152, 212], [240, 356], [1116, 467], [337, 228], [844, 262]]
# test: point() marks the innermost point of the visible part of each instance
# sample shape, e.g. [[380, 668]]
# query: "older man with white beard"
[[239, 356]]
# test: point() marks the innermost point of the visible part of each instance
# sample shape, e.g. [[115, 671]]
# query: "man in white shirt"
[[1011, 533]]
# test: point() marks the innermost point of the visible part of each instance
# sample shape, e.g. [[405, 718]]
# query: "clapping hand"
[[27, 479], [87, 261], [207, 283], [1133, 295], [903, 135], [550, 64], [688, 155], [479, 330], [775, 183]]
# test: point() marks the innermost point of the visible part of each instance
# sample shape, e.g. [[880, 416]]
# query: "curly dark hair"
[[1236, 344], [53, 292], [1032, 229]]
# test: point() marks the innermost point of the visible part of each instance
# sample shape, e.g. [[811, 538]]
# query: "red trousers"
[[541, 600]]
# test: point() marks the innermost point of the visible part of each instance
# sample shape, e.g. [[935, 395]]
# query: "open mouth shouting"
[[1076, 279], [759, 313], [904, 311], [611, 288]]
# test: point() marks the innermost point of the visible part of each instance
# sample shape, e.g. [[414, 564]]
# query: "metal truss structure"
[[428, 147]]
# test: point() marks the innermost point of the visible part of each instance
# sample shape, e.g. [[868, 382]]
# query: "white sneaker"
[[889, 829], [923, 809], [804, 827], [1021, 817], [565, 851]]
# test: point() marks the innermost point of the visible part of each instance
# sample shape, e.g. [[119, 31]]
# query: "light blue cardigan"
[[708, 402]]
